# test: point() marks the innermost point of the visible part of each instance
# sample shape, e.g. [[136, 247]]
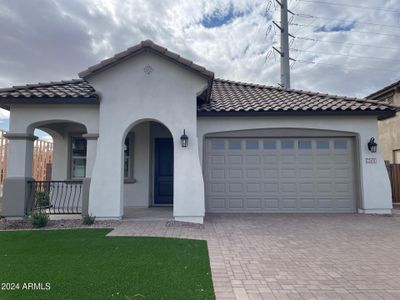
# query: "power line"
[[313, 62], [345, 43], [360, 22], [342, 54], [351, 30], [351, 5]]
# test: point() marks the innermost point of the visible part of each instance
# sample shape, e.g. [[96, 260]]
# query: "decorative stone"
[[148, 69]]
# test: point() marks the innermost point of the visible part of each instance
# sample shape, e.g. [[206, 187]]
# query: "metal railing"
[[55, 197]]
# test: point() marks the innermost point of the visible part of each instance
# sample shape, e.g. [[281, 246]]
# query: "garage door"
[[279, 175]]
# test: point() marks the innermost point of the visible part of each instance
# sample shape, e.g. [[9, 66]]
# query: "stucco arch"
[[142, 120]]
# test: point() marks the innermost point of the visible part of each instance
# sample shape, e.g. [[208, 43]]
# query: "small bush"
[[39, 219], [42, 199], [88, 219]]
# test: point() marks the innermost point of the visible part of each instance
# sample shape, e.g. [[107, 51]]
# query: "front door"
[[164, 171]]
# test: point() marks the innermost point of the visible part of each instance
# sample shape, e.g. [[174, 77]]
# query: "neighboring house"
[[251, 148], [389, 135]]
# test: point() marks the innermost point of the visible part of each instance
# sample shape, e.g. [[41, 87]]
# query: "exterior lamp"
[[372, 146], [184, 139]]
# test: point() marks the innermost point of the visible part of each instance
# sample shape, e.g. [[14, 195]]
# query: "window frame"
[[131, 176], [74, 157]]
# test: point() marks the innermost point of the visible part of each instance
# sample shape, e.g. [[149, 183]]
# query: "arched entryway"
[[148, 170], [61, 190]]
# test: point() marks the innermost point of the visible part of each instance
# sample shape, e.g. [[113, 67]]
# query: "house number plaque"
[[370, 160]]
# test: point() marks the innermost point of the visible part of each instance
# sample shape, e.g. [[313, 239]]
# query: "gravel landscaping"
[[6, 224]]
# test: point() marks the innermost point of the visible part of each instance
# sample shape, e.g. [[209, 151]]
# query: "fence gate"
[[394, 176]]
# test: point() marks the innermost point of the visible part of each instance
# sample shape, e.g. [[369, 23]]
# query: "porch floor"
[[148, 214]]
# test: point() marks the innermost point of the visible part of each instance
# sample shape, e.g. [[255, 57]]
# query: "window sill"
[[129, 181]]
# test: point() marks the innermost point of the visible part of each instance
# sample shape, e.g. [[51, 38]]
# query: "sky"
[[340, 47]]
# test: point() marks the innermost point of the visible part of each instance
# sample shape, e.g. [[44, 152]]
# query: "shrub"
[[88, 219], [42, 199], [39, 219]]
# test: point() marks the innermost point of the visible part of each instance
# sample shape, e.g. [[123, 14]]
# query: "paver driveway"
[[279, 256]]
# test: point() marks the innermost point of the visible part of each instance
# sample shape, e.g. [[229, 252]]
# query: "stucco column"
[[378, 199], [19, 172], [91, 149], [105, 197], [189, 201]]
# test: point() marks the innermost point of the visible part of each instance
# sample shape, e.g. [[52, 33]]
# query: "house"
[[389, 136], [147, 127]]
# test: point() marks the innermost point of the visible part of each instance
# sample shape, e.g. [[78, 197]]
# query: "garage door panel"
[[253, 173], [235, 159], [289, 203], [271, 159], [253, 188], [254, 204], [271, 203], [217, 160], [287, 159], [235, 187], [306, 187], [271, 187], [236, 204], [307, 204], [217, 204], [279, 175], [253, 159], [217, 174], [217, 187], [235, 173], [271, 173]]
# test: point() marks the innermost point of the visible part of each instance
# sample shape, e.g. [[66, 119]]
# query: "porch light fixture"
[[372, 146], [184, 139]]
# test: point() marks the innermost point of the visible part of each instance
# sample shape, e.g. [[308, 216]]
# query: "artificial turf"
[[85, 264]]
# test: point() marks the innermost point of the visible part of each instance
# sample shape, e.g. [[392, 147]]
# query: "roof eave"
[[384, 91], [6, 102], [381, 115]]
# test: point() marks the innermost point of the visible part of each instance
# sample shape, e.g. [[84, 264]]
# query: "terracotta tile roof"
[[231, 96], [226, 97], [76, 88], [139, 48]]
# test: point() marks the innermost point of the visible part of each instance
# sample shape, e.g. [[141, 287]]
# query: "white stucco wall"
[[129, 95], [25, 118], [375, 193], [137, 194]]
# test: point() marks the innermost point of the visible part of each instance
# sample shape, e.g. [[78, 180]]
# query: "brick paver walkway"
[[294, 256]]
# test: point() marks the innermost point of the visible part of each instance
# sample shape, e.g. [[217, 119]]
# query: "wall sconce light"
[[184, 139], [372, 146]]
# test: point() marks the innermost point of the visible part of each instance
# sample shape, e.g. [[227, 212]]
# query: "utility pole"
[[284, 49], [285, 67]]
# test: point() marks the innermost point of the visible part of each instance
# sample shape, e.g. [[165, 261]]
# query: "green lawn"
[[85, 264]]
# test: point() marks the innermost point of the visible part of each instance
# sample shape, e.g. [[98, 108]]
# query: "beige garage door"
[[279, 175]]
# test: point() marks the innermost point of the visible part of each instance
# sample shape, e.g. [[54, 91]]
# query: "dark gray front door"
[[164, 171]]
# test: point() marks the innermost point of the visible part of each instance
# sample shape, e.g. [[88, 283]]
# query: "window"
[[340, 144], [269, 144], [252, 144], [304, 145], [217, 144], [128, 158], [235, 144], [287, 144], [323, 144], [78, 157]]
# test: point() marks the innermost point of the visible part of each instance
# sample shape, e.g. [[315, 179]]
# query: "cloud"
[[46, 40], [336, 28]]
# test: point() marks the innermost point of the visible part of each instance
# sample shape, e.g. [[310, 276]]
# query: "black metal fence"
[[55, 197]]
